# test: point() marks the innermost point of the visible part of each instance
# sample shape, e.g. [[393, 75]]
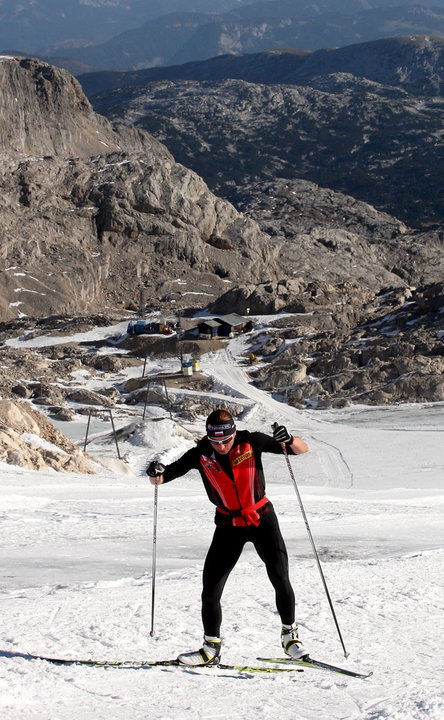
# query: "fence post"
[[114, 431], [87, 430]]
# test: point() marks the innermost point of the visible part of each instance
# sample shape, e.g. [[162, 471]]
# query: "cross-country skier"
[[230, 465]]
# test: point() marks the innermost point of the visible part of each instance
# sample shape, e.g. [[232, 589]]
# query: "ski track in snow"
[[235, 378], [76, 558]]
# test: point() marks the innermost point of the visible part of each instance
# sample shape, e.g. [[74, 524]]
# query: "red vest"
[[240, 498]]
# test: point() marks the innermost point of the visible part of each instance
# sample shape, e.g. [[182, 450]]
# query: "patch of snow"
[[77, 550]]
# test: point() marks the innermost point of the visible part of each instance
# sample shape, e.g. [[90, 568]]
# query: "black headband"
[[221, 429]]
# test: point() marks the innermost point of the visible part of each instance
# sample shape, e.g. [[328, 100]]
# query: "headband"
[[221, 429]]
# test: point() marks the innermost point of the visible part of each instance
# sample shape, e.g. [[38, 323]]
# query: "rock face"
[[335, 238], [29, 440], [349, 346], [90, 213]]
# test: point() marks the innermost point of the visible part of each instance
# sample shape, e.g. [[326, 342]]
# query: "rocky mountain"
[[331, 237], [91, 212], [414, 63], [267, 67], [184, 37], [365, 121], [343, 346], [366, 299]]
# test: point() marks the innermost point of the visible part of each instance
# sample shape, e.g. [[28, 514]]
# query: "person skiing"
[[229, 462]]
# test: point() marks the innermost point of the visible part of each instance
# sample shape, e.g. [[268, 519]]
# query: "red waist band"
[[250, 514]]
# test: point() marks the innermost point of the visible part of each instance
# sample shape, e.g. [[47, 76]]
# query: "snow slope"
[[76, 554]]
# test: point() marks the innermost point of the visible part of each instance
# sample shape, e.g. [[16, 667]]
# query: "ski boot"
[[291, 643], [209, 653]]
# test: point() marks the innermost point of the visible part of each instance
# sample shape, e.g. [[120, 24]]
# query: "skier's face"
[[223, 447]]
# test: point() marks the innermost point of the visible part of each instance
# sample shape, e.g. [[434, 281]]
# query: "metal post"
[[146, 399], [87, 431], [153, 564], [144, 365], [290, 470], [168, 399], [114, 431]]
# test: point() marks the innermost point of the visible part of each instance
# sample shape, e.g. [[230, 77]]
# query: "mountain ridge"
[[298, 67], [184, 37]]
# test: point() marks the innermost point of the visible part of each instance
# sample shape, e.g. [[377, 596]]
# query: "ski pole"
[[153, 564], [318, 562]]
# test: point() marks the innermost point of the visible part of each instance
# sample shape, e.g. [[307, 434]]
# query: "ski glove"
[[281, 434], [155, 469]]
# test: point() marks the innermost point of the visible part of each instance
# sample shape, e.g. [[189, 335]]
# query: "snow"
[[76, 553]]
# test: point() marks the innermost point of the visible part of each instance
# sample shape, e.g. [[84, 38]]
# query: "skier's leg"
[[223, 554], [270, 546]]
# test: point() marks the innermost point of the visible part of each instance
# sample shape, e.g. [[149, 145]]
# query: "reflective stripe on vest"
[[237, 498]]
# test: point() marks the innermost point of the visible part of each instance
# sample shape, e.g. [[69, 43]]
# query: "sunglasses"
[[224, 441]]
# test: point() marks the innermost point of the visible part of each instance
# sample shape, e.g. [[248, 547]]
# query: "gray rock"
[[389, 349], [91, 213], [88, 397]]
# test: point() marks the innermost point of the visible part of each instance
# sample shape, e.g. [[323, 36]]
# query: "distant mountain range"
[[184, 37], [364, 120], [31, 25], [98, 34]]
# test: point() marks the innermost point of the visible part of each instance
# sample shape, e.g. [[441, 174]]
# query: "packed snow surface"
[[77, 551]]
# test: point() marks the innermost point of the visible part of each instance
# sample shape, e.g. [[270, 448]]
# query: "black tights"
[[222, 556]]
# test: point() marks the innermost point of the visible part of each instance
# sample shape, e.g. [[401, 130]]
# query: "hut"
[[224, 326]]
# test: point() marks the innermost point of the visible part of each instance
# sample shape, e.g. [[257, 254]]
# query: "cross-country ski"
[[316, 664], [145, 664]]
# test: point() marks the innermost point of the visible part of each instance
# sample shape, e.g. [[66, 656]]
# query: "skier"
[[229, 462]]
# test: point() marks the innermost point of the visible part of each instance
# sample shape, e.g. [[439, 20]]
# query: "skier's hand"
[[155, 470], [157, 480], [281, 434]]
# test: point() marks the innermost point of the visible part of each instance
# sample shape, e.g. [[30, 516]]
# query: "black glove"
[[155, 469], [281, 434]]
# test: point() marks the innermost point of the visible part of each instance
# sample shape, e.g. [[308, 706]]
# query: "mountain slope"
[[90, 212], [364, 120]]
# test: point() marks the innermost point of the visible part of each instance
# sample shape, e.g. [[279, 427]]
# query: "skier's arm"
[[294, 443], [176, 469], [298, 445]]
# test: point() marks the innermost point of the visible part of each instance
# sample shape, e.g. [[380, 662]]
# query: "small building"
[[224, 326], [208, 329], [232, 324]]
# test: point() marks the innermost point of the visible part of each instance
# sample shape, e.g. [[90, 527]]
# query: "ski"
[[143, 664], [253, 668], [310, 663], [135, 664]]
